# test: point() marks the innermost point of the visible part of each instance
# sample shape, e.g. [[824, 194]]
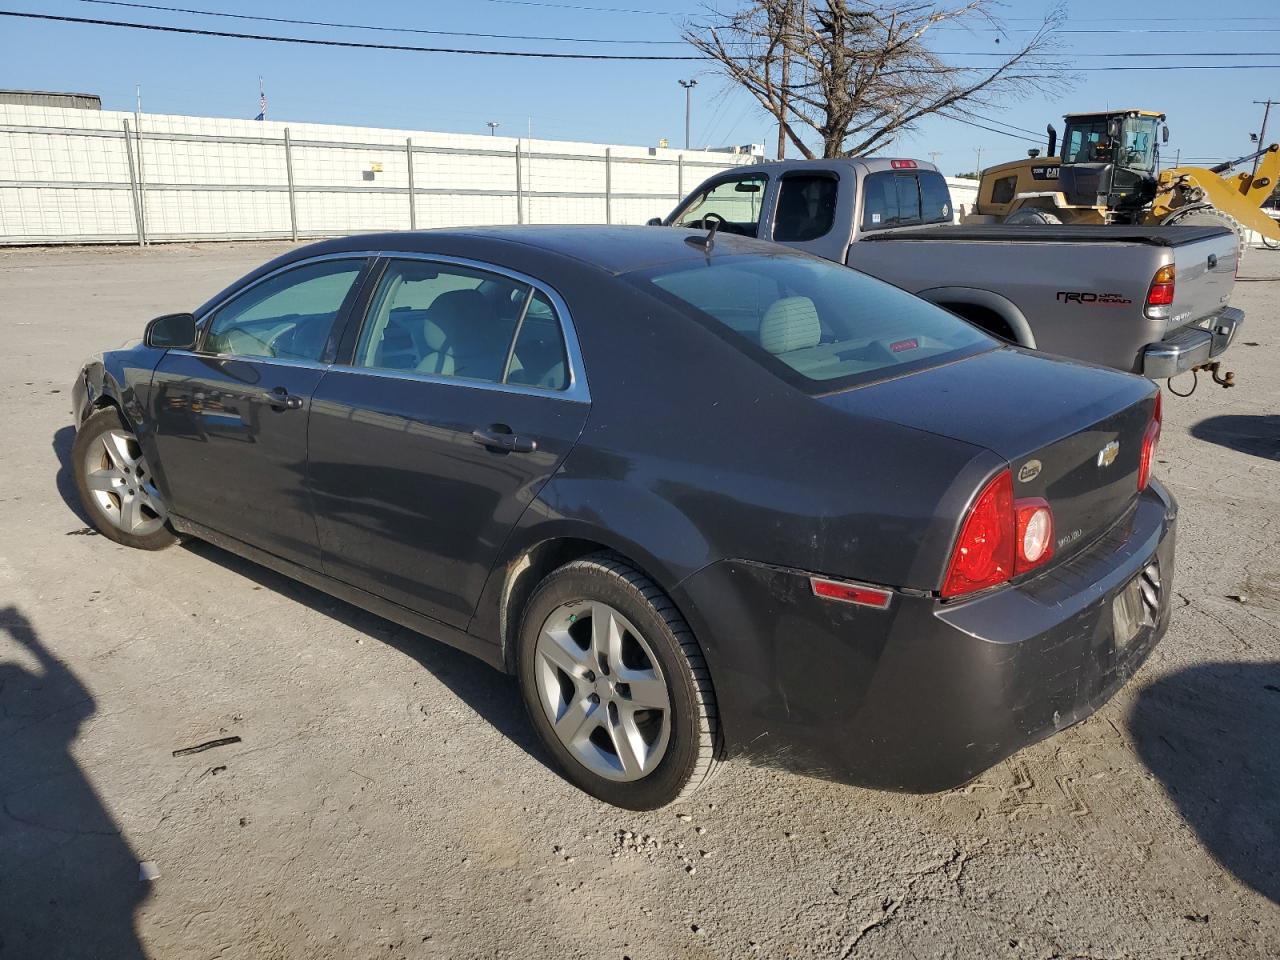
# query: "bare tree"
[[859, 73]]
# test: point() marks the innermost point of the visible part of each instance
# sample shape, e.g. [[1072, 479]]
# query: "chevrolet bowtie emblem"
[[1107, 455]]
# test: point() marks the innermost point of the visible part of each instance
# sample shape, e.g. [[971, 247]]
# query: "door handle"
[[282, 399], [505, 441]]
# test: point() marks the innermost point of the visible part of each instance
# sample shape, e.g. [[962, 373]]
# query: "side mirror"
[[1164, 134], [173, 330], [655, 222]]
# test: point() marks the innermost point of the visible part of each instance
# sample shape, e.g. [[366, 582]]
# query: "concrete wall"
[[66, 176]]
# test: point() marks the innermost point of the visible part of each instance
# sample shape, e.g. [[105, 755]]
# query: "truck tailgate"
[[1206, 273]]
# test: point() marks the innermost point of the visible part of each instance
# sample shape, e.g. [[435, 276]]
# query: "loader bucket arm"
[[1240, 196]]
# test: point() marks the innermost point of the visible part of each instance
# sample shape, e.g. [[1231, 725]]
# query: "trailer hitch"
[[1227, 379]]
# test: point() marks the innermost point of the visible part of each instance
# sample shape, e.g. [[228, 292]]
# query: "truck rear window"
[[817, 324], [902, 199]]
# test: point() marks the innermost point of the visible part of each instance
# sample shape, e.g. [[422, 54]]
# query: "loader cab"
[[1111, 159]]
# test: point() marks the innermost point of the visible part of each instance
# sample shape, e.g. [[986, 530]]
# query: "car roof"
[[614, 249], [863, 164]]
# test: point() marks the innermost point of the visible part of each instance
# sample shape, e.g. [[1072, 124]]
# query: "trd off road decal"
[[1100, 299]]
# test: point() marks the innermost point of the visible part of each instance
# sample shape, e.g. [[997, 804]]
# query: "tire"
[[115, 484], [616, 748], [1033, 216], [1207, 215]]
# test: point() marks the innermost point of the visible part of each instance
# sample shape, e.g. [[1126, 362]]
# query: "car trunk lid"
[[1071, 433]]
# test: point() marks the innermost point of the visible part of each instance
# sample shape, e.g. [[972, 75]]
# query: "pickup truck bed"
[[1065, 233]]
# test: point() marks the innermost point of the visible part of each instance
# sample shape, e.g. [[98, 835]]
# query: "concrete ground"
[[387, 798]]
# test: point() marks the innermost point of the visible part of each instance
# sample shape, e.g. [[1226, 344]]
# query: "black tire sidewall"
[[591, 581], [94, 426]]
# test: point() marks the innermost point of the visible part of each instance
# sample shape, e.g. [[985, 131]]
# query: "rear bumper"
[[923, 696], [1191, 346]]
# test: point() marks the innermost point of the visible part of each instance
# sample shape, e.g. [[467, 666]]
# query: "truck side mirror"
[[655, 222], [1164, 134], [172, 331]]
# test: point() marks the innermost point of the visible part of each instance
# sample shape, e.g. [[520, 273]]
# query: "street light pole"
[[493, 127], [688, 98]]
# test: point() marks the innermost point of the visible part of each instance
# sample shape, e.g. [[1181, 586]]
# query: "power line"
[[574, 6], [983, 126], [367, 26], [350, 44]]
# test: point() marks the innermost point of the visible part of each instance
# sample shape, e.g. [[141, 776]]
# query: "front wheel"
[[116, 485], [616, 685]]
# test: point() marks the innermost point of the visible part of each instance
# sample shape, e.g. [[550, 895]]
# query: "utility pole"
[[934, 155], [979, 160], [493, 126], [688, 106], [1262, 135]]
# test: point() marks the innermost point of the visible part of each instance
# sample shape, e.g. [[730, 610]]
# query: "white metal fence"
[[79, 176]]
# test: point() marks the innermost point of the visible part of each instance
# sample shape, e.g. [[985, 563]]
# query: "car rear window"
[[817, 324]]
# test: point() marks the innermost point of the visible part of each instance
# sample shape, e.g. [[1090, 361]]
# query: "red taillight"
[[1162, 287], [850, 593], [1150, 440], [1001, 538], [984, 552], [902, 164]]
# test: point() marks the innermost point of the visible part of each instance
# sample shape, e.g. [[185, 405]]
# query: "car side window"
[[538, 358], [892, 199], [286, 317], [806, 207], [453, 321], [733, 204]]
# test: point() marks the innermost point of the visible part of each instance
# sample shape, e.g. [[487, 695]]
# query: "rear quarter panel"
[[1081, 300]]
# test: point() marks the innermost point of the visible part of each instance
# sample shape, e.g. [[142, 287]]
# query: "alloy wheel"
[[121, 484], [603, 691]]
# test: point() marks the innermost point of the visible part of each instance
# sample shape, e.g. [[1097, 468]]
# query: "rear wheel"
[[1033, 216], [616, 685], [116, 485]]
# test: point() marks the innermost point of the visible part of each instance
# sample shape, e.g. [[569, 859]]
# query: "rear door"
[[809, 215], [230, 417], [460, 397]]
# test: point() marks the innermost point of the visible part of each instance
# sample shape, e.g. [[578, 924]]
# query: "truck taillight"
[[1000, 538], [1161, 291], [1150, 440]]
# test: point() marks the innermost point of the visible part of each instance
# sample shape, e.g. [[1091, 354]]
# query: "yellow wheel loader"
[[1109, 172]]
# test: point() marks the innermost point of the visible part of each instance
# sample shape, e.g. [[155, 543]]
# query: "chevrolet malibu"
[[706, 497]]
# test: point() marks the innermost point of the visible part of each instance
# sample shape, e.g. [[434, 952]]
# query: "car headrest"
[[790, 324]]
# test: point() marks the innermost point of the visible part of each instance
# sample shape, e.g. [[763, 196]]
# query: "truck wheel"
[[1033, 216]]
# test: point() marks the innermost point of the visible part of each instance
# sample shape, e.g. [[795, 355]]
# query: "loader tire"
[[1033, 217], [1207, 215]]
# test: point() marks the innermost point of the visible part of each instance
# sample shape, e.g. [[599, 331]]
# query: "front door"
[[230, 417], [461, 399]]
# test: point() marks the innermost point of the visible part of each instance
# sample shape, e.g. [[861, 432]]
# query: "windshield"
[[819, 325], [1090, 142]]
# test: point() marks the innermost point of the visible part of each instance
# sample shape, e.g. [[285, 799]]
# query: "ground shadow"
[[1211, 734], [493, 695], [1255, 435], [69, 883], [65, 481]]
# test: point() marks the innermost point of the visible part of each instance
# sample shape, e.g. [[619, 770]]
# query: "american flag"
[[262, 105]]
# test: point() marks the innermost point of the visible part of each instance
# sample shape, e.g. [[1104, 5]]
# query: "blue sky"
[[1210, 113]]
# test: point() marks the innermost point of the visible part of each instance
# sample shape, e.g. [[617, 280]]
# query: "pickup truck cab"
[[1148, 300]]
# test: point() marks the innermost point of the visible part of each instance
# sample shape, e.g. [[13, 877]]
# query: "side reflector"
[[851, 593]]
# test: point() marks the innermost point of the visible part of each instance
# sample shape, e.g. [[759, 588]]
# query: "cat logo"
[[1107, 455]]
